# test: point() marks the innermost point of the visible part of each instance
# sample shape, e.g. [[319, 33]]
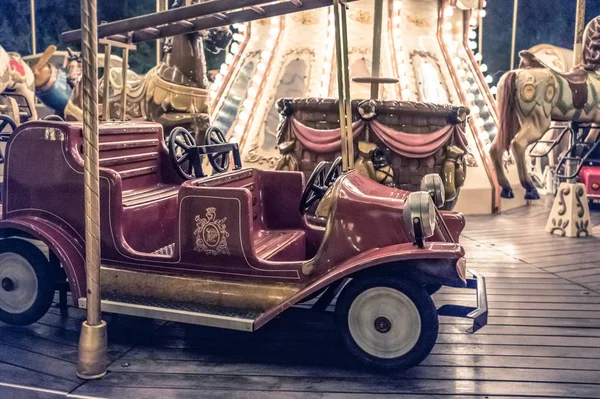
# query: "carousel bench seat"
[[151, 194]]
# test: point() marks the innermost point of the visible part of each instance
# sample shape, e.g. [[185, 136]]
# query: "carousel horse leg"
[[496, 155], [29, 95], [527, 135]]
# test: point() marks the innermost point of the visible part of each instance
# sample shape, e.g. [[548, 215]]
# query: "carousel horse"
[[175, 93], [17, 78], [531, 97]]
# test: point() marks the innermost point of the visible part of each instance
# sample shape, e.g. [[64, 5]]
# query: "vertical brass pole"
[[376, 61], [347, 97], [514, 34], [106, 94], [340, 81], [91, 360], [579, 28], [161, 5], [33, 28], [124, 83]]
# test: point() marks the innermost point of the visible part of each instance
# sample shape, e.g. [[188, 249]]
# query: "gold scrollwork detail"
[[211, 234]]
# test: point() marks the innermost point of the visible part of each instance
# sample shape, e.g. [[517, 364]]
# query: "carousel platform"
[[542, 340]]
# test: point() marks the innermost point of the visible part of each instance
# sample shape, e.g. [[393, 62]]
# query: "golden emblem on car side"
[[211, 234]]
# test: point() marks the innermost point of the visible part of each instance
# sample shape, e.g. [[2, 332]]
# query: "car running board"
[[185, 314], [478, 314]]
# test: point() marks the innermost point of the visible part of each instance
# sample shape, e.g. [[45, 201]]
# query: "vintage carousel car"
[[396, 142], [232, 249]]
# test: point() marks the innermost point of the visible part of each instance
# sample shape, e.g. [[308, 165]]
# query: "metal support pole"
[[91, 361], [579, 28], [480, 33], [33, 28], [376, 61], [514, 34], [124, 80], [345, 103], [106, 94]]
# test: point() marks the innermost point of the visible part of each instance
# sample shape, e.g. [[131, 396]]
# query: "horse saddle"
[[576, 77]]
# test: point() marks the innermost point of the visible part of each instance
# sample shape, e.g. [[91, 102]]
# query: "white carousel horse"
[[17, 78], [531, 97]]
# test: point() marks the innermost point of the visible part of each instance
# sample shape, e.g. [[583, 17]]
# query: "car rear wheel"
[[388, 323], [26, 282]]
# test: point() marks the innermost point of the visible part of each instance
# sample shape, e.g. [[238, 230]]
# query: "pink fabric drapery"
[[407, 144], [417, 145], [322, 141]]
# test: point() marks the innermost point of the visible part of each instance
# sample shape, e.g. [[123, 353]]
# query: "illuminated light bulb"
[[229, 59], [484, 3], [270, 43], [331, 29], [472, 34], [331, 17], [406, 94], [456, 61], [266, 54], [489, 79], [325, 79], [473, 21], [483, 13], [235, 48], [472, 45], [237, 37], [327, 65], [323, 92], [494, 90], [478, 57], [261, 67], [274, 32], [397, 20], [214, 87], [404, 81], [247, 104], [483, 68], [448, 26], [479, 122], [397, 32], [452, 50], [474, 87], [238, 130], [397, 5], [244, 116], [448, 11], [240, 27], [470, 97], [447, 37], [462, 52], [234, 140], [223, 70], [252, 92], [474, 109], [466, 85], [218, 78], [274, 21], [484, 135], [256, 79], [461, 73]]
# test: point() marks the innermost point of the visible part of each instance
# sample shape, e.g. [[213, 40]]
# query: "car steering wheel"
[[319, 182], [219, 162], [183, 153], [7, 121], [335, 171]]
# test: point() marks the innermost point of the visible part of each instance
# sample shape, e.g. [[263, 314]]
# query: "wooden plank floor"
[[543, 339]]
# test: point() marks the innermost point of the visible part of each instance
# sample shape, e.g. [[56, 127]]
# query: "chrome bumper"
[[479, 315]]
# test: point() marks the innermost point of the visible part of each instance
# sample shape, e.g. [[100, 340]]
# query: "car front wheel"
[[26, 282], [388, 323]]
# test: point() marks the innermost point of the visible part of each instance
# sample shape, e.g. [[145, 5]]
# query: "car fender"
[[382, 259], [64, 245]]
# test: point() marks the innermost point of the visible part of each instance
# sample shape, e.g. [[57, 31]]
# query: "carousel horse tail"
[[507, 104]]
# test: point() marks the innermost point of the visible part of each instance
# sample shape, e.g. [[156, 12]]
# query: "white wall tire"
[[26, 282], [387, 322]]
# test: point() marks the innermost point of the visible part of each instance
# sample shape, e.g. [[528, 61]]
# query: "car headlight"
[[433, 185], [419, 216]]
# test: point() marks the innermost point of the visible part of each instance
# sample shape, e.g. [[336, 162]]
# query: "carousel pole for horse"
[[375, 63], [570, 214], [91, 359], [33, 29], [106, 93]]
